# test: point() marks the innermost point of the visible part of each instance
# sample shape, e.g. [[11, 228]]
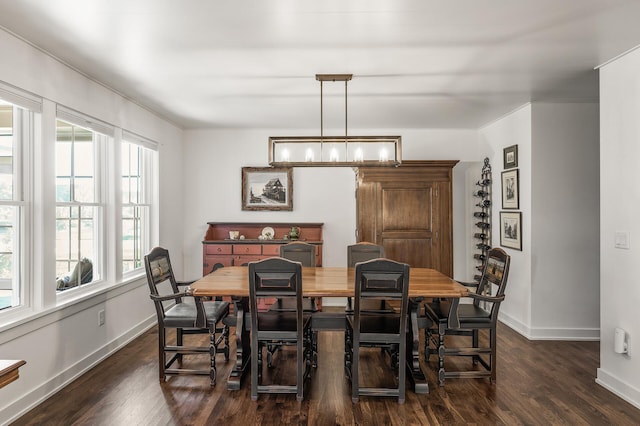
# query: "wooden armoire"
[[408, 210]]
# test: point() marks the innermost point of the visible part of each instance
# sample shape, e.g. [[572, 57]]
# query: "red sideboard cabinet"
[[218, 247]]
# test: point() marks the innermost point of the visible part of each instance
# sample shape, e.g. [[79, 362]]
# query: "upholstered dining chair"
[[378, 279], [281, 278], [174, 312], [482, 314]]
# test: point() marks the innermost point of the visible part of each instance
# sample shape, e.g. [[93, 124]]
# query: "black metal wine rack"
[[482, 217]]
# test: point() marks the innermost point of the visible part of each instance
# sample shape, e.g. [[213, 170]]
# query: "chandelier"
[[336, 151]]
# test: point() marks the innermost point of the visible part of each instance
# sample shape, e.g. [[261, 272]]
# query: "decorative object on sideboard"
[[267, 233], [267, 188], [293, 234], [336, 151]]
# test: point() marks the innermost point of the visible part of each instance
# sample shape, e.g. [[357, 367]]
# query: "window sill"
[[20, 321]]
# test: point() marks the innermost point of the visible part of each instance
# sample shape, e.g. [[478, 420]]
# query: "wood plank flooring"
[[539, 383]]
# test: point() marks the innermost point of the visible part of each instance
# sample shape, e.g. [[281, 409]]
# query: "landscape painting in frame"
[[510, 189], [267, 188], [511, 230]]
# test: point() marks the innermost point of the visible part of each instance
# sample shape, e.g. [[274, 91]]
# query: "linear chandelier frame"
[[323, 147], [334, 151]]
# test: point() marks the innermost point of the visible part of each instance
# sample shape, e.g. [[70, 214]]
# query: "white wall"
[[553, 289], [513, 129], [213, 162], [60, 342], [619, 206], [565, 196]]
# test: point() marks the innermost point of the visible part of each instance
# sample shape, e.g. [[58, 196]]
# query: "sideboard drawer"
[[247, 249], [271, 249], [217, 248]]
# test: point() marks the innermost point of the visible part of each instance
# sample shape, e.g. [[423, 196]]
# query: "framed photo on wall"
[[267, 188], [510, 154], [510, 189], [511, 230]]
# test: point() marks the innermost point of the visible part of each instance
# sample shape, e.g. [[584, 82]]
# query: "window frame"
[[26, 109], [102, 137], [147, 153]]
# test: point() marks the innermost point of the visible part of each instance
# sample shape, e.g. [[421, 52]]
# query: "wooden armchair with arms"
[[174, 312], [482, 314]]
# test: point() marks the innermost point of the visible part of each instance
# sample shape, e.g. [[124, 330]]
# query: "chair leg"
[[355, 388], [300, 372], [314, 348], [441, 353], [493, 361], [212, 353], [256, 360], [474, 344], [348, 353], [225, 335], [402, 373], [179, 342], [162, 336]]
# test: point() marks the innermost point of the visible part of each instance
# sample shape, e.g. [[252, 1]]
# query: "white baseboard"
[[534, 333], [618, 387], [30, 400]]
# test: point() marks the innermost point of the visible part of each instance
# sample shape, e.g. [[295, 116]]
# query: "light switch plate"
[[622, 240]]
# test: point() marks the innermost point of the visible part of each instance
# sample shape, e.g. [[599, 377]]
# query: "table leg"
[[416, 375], [243, 345]]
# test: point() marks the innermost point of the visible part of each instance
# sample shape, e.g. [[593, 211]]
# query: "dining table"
[[424, 283]]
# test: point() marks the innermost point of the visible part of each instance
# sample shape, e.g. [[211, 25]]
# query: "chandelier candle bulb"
[[308, 156], [333, 156], [359, 155]]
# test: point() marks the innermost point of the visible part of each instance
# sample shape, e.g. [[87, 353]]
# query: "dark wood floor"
[[539, 383]]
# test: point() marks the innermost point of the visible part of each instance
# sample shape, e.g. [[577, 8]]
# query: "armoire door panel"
[[416, 252], [406, 209]]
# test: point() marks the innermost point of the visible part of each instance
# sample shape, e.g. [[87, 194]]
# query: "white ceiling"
[[252, 63]]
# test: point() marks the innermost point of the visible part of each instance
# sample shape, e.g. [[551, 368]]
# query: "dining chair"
[[482, 314], [174, 312], [304, 253], [282, 278], [387, 280], [361, 252]]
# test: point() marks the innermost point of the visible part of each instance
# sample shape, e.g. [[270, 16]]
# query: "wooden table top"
[[326, 282]]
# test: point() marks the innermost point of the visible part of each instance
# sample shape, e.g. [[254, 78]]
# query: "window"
[[79, 211], [137, 177], [14, 137]]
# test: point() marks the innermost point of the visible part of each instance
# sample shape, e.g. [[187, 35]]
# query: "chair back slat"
[[494, 276], [275, 277], [299, 251], [159, 272], [381, 278], [363, 251]]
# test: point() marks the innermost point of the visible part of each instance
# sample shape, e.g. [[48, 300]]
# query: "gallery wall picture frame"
[[510, 155], [267, 188], [511, 189], [511, 230]]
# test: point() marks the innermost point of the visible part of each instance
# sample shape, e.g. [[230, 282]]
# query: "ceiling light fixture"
[[335, 151]]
